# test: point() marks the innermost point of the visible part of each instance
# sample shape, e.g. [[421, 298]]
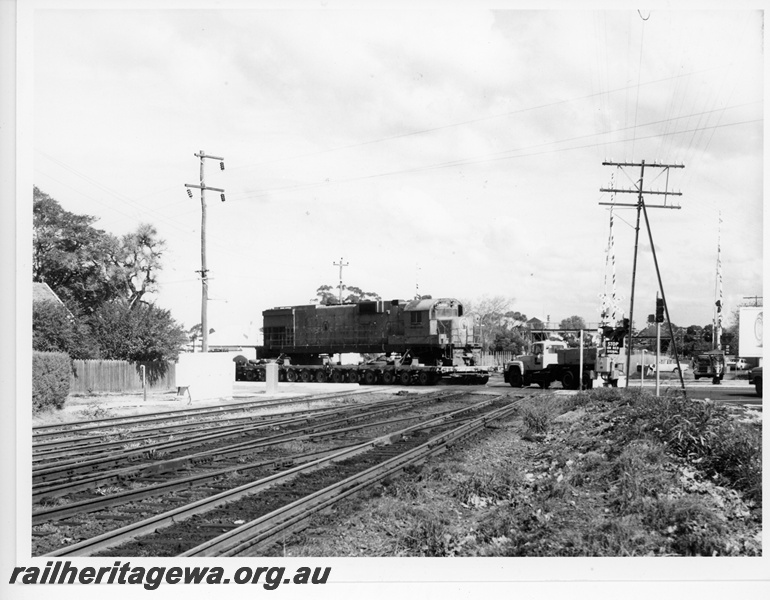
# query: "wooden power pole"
[[642, 207], [340, 265], [204, 269]]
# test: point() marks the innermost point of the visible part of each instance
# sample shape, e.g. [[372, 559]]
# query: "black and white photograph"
[[339, 298]]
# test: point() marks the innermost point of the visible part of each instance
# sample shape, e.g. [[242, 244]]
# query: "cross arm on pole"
[[635, 205], [203, 187], [643, 192], [646, 164], [202, 155]]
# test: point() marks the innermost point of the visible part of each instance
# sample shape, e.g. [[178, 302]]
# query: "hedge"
[[51, 373]]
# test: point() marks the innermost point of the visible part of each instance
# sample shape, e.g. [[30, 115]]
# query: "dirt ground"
[[103, 405]]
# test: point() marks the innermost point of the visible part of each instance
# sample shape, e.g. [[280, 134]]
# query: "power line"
[[508, 155]]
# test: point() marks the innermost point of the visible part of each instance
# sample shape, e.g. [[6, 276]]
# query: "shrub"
[[51, 372], [537, 415], [702, 433]]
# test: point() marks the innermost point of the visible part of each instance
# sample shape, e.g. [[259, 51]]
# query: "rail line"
[[302, 466], [93, 504], [47, 473], [56, 429]]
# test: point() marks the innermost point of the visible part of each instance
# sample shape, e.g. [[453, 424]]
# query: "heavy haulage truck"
[[552, 361], [417, 341]]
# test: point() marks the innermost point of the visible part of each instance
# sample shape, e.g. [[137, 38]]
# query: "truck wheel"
[[405, 378], [569, 381], [337, 376], [320, 377], [353, 376], [515, 379], [370, 377], [291, 376], [423, 378], [306, 376], [388, 377], [484, 379]]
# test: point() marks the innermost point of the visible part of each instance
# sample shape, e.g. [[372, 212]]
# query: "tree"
[[55, 329], [509, 340], [68, 253], [493, 317], [136, 262], [141, 332], [326, 296], [87, 267], [573, 322]]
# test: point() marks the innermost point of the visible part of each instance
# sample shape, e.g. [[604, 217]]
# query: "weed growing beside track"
[[602, 473]]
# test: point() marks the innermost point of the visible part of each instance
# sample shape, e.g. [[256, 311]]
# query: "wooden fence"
[[496, 359], [90, 376]]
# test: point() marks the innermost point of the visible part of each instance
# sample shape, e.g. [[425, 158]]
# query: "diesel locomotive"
[[416, 341]]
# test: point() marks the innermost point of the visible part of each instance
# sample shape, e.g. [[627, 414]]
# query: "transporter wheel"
[[291, 375], [338, 376], [281, 375], [423, 378], [260, 375], [306, 376], [353, 376], [405, 378], [320, 377], [370, 377], [515, 378], [388, 377]]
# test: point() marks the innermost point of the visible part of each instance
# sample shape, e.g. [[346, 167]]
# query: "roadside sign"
[[612, 347]]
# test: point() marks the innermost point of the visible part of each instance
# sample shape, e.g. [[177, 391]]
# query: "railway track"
[[58, 467], [201, 482]]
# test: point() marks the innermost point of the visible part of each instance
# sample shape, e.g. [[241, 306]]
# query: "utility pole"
[[641, 207], [204, 270], [340, 265]]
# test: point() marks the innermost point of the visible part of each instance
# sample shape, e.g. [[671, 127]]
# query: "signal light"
[[222, 197], [189, 193], [222, 166], [626, 324], [659, 309]]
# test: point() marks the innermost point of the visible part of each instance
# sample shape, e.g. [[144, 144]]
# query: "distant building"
[[535, 323]]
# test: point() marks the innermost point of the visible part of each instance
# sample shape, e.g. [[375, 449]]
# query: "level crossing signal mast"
[[641, 207]]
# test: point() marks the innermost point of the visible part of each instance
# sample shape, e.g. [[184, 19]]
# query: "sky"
[[456, 152]]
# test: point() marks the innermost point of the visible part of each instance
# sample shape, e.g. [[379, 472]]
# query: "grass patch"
[[606, 472]]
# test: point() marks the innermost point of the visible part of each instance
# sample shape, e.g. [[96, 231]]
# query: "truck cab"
[[526, 370]]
